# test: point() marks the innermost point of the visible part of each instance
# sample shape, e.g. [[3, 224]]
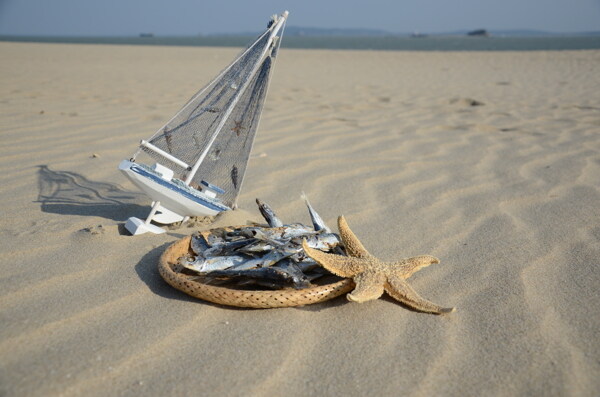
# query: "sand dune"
[[489, 161]]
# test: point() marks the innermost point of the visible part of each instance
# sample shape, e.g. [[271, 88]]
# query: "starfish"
[[237, 128], [372, 276]]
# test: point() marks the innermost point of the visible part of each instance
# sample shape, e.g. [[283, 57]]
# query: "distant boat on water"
[[146, 34], [479, 33], [416, 35]]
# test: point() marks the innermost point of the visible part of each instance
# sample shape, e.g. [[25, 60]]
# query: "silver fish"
[[227, 248], [276, 235], [213, 239], [321, 241], [258, 247], [269, 215], [316, 273], [204, 265], [267, 276], [317, 221], [307, 265], [298, 278], [264, 256], [198, 244], [293, 247], [296, 230], [267, 260]]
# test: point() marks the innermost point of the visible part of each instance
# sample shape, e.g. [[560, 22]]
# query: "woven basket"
[[260, 299]]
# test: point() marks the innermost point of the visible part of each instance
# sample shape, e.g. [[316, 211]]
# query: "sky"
[[192, 17]]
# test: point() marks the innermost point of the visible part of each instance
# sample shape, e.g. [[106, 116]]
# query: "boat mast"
[[274, 32]]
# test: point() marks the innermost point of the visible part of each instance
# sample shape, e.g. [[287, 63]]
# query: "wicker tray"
[[260, 299]]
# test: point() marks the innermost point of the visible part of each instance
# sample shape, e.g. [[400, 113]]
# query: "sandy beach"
[[488, 160]]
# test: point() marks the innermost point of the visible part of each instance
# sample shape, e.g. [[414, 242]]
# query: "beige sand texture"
[[490, 161]]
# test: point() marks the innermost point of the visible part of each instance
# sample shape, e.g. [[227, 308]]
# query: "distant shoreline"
[[342, 42]]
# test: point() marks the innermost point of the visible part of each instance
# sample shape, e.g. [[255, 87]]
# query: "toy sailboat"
[[201, 154]]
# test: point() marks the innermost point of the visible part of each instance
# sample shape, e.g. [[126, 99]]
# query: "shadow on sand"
[[69, 193], [147, 270]]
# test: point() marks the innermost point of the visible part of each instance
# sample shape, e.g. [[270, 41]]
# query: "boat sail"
[[202, 153]]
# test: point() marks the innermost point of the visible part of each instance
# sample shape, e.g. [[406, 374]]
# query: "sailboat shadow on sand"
[[69, 193]]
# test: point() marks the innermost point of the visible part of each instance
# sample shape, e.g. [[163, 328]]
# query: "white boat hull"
[[174, 197]]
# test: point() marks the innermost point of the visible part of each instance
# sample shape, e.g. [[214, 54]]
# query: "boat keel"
[[137, 226]]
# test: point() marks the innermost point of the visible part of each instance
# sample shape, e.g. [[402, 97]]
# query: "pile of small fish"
[[260, 256]]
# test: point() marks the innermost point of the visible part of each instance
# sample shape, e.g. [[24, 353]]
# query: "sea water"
[[399, 43]]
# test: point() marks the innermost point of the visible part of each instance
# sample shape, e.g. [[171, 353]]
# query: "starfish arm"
[[401, 291], [369, 286], [343, 266], [409, 266], [352, 244]]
